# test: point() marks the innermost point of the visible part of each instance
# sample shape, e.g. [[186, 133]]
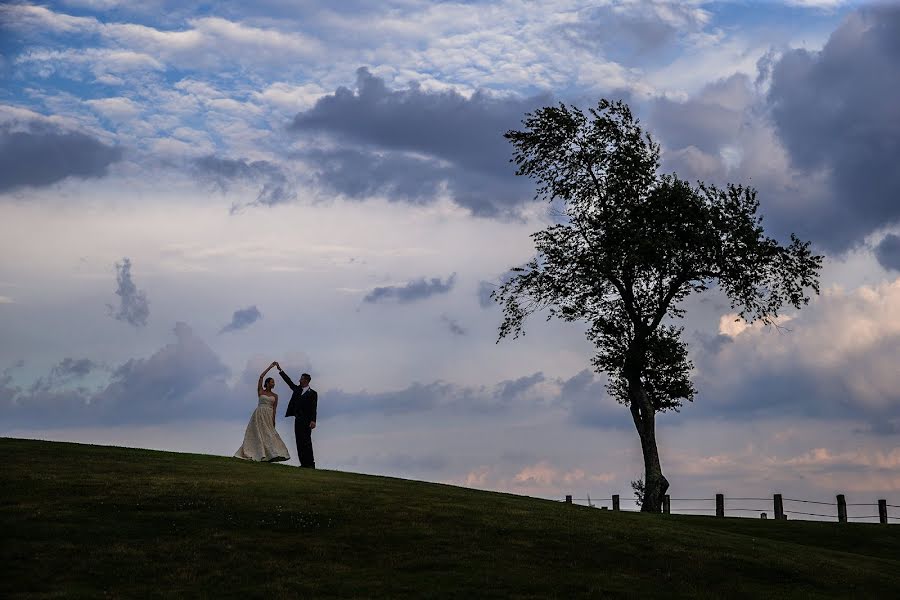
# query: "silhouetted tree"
[[631, 245]]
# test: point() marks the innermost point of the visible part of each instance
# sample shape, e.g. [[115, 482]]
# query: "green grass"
[[94, 521]]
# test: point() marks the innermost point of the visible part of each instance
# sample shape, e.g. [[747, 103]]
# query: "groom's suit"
[[303, 408]]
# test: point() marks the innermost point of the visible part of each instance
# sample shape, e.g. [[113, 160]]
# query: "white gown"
[[261, 440]]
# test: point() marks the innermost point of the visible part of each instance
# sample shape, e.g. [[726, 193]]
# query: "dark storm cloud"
[[39, 154], [359, 174], [242, 318], [133, 306], [415, 290], [888, 252], [222, 172], [412, 142], [836, 112]]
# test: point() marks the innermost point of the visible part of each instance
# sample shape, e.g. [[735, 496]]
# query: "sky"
[[188, 193]]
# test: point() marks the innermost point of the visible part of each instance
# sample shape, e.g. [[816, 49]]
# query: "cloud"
[[40, 154], [582, 397], [836, 113], [242, 318], [70, 367], [107, 65], [888, 252], [413, 142], [708, 120], [133, 306], [589, 404], [485, 288], [631, 32], [184, 379], [454, 326], [67, 372], [507, 390], [832, 360], [207, 42], [413, 291], [222, 172], [116, 109]]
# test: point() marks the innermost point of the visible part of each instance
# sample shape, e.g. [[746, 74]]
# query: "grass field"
[[93, 521]]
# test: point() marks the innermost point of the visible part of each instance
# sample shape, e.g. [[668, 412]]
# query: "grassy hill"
[[91, 521]]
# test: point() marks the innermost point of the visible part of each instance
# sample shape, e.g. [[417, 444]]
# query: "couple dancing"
[[261, 441]]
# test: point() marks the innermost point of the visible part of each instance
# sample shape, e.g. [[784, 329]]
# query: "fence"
[[737, 507]]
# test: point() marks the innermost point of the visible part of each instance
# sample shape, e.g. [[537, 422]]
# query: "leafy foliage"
[[635, 244], [632, 245], [638, 486]]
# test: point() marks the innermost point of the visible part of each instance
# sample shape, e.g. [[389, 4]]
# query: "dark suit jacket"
[[303, 406]]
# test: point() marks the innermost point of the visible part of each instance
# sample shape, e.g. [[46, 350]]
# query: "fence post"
[[615, 501], [568, 498], [667, 504], [882, 512], [779, 508], [720, 505], [842, 508]]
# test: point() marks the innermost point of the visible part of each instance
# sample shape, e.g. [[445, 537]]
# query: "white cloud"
[[117, 109], [95, 4], [820, 4], [176, 148], [290, 98], [39, 18]]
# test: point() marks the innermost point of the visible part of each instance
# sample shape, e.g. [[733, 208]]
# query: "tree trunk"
[[655, 483]]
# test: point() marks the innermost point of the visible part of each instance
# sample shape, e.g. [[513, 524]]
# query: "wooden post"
[[763, 516], [882, 512], [779, 508], [615, 501], [568, 498], [720, 505], [667, 504], [842, 508]]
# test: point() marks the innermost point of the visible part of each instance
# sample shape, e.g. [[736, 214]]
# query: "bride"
[[261, 440]]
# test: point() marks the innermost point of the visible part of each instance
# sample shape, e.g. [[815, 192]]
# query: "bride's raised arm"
[[259, 384]]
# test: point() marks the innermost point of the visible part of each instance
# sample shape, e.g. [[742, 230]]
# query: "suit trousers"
[[304, 443]]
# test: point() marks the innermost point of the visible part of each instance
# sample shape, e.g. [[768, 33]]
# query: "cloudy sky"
[[188, 194]]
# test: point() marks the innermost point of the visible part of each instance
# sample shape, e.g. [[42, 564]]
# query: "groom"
[[303, 408]]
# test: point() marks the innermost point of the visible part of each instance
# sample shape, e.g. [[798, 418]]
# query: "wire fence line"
[[774, 508]]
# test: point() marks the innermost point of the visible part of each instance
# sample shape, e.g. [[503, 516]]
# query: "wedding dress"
[[261, 440]]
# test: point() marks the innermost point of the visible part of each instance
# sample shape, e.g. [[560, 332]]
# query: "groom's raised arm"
[[287, 380]]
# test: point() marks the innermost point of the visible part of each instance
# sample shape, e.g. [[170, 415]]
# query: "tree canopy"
[[632, 246]]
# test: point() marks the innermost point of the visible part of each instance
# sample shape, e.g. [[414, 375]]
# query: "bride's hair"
[[266, 384]]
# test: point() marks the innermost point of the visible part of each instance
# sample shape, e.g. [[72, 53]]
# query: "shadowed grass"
[[90, 521]]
